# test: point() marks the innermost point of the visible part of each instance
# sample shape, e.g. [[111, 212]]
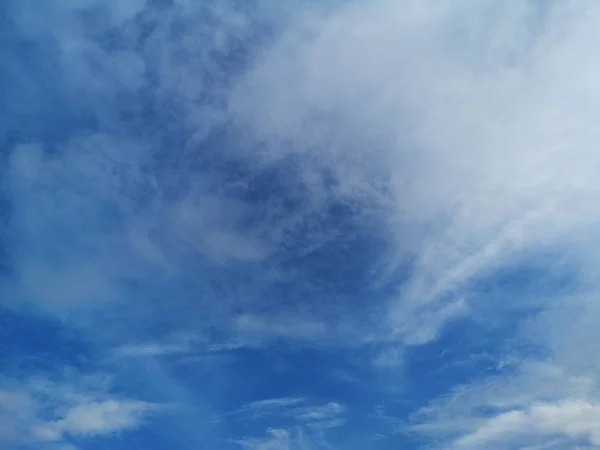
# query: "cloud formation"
[[396, 181], [308, 428], [294, 407], [41, 412]]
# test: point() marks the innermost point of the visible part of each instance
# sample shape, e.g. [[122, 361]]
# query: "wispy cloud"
[[300, 410], [269, 406], [361, 174], [277, 438], [307, 422], [296, 408], [257, 328], [151, 349], [486, 148], [316, 413]]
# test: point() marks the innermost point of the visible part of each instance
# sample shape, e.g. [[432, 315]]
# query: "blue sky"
[[299, 225]]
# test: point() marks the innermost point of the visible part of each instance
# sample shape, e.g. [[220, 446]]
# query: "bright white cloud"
[[574, 419], [479, 149], [45, 413], [96, 418], [541, 404], [479, 120]]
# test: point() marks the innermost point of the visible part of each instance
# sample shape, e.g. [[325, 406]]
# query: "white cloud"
[[120, 11], [208, 224], [572, 418], [16, 408], [277, 439], [463, 120], [540, 404], [283, 439], [308, 422], [96, 418], [151, 349], [456, 138], [327, 411], [269, 406], [465, 131], [45, 413], [252, 326], [25, 161], [479, 121]]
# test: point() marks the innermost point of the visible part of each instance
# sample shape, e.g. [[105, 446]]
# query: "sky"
[[299, 225]]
